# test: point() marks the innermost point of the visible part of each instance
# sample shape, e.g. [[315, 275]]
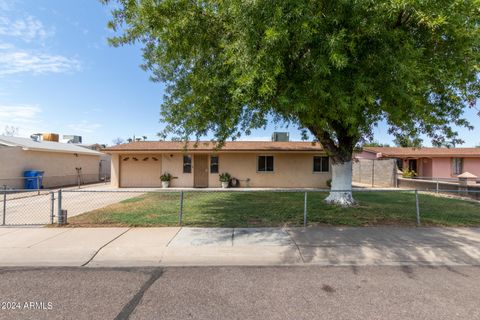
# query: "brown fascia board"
[[119, 151], [451, 155]]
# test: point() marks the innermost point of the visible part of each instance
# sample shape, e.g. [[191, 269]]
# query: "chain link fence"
[[27, 207], [237, 207]]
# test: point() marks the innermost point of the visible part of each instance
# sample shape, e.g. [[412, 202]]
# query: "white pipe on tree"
[[341, 193]]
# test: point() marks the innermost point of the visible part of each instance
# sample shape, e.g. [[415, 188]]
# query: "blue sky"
[[58, 74]]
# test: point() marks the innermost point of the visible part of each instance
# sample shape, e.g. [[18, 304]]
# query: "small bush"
[[409, 173]]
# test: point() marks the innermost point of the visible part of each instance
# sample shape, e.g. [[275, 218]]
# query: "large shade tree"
[[334, 68]]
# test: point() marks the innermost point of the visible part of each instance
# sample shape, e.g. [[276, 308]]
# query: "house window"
[[265, 164], [214, 164], [457, 166], [321, 164], [187, 164], [400, 164]]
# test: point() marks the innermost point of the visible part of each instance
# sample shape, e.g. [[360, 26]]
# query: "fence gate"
[[26, 207]]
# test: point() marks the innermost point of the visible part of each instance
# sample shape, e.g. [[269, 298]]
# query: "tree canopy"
[[333, 68], [412, 142]]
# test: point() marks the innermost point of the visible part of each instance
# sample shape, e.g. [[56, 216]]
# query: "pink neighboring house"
[[429, 162]]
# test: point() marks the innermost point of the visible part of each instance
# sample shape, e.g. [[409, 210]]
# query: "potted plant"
[[225, 179], [165, 178]]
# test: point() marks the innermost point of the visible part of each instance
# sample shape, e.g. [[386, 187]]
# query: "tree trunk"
[[341, 191]]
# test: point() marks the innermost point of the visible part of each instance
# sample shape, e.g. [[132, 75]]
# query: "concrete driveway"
[[35, 209]]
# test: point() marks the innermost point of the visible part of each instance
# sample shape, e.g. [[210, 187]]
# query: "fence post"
[[52, 207], [180, 213], [4, 204], [437, 185], [59, 209], [305, 211], [418, 207]]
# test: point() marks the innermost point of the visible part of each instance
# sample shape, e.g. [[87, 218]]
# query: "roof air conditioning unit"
[[280, 136]]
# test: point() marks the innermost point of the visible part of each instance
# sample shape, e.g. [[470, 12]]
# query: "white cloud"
[[23, 117], [14, 114], [84, 126], [17, 61], [28, 28]]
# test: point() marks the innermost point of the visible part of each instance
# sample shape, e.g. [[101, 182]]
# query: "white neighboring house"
[[59, 162]]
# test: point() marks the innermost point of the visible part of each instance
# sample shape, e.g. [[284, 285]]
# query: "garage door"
[[140, 171]]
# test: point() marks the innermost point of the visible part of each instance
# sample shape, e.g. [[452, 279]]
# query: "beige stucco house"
[[253, 163], [57, 160]]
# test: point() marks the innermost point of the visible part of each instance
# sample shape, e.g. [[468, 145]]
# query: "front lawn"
[[271, 209]]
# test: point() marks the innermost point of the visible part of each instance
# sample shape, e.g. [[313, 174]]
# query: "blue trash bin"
[[33, 179]]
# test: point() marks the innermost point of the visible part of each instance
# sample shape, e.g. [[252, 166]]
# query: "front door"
[[200, 171]]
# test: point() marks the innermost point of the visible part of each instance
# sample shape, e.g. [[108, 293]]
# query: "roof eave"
[[209, 151], [61, 151]]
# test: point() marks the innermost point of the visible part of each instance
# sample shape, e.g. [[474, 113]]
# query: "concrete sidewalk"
[[326, 246]]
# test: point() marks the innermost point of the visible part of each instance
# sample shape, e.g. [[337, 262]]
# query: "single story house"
[[58, 161], [254, 164], [429, 162]]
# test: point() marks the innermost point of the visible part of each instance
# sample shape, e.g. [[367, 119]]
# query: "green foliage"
[[166, 177], [375, 144], [224, 177], [333, 68], [404, 141], [409, 173]]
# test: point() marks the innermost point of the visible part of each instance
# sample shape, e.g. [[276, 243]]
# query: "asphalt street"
[[314, 292]]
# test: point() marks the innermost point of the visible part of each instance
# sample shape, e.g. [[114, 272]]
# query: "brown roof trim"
[[430, 152], [230, 146]]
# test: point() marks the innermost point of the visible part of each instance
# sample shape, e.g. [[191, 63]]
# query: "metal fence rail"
[[223, 207]]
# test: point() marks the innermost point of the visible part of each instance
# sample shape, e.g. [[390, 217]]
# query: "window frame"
[[187, 156], [217, 164], [321, 164], [266, 156], [454, 166]]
